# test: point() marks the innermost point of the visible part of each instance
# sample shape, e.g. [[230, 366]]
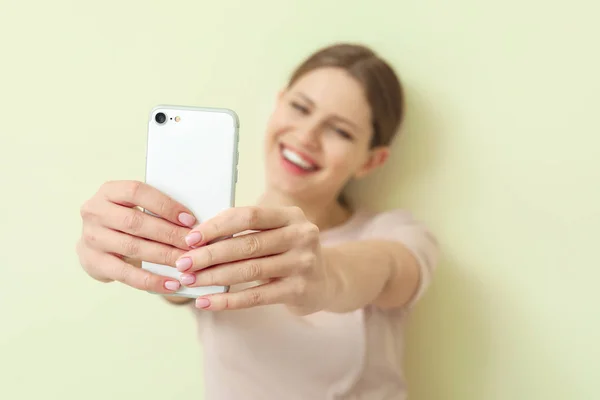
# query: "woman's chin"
[[286, 187]]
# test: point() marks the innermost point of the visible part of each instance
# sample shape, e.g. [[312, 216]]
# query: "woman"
[[319, 291]]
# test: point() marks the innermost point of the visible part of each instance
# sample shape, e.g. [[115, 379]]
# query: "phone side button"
[[236, 175]]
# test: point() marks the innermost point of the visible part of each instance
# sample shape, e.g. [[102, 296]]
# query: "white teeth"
[[296, 159]]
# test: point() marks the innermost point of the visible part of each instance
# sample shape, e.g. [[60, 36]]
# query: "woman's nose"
[[309, 136]]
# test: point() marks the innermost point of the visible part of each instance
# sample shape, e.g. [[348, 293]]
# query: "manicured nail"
[[172, 285], [187, 219], [183, 264], [193, 238], [202, 302], [187, 279]]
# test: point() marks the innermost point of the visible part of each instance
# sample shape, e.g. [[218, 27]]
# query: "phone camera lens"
[[160, 118]]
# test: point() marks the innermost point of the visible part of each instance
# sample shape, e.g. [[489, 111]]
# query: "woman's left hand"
[[284, 250]]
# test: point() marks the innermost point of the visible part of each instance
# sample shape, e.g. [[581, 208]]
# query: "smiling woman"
[[309, 275]]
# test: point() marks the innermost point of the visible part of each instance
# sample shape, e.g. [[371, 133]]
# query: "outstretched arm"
[[284, 255], [379, 272]]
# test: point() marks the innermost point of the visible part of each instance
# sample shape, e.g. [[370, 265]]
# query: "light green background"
[[499, 155]]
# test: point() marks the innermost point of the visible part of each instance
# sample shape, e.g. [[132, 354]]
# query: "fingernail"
[[172, 285], [193, 238], [187, 279], [202, 302], [187, 219], [183, 264]]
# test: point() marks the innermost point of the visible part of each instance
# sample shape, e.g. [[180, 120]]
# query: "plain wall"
[[499, 155]]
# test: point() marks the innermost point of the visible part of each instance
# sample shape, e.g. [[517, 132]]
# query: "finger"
[[138, 223], [133, 247], [269, 293], [256, 269], [134, 193], [116, 269], [239, 219], [252, 245]]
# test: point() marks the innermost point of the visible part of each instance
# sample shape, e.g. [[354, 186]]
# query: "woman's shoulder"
[[388, 216]]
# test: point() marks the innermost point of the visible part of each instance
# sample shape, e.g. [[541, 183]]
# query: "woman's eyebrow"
[[306, 98]]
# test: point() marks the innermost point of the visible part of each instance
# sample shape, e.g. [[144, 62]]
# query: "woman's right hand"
[[115, 230]]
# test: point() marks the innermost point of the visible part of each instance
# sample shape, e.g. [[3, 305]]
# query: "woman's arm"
[[285, 254], [379, 272]]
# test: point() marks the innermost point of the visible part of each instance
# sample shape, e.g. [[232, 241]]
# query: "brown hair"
[[382, 87]]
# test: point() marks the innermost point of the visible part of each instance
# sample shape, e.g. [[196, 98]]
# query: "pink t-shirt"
[[267, 353]]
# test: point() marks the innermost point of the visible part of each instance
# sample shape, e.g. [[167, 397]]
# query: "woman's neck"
[[325, 215]]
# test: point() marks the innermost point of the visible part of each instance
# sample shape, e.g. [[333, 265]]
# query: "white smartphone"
[[192, 156]]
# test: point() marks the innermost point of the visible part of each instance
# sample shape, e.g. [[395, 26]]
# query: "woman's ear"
[[377, 157]]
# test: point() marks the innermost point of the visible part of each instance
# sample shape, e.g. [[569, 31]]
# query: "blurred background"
[[499, 155]]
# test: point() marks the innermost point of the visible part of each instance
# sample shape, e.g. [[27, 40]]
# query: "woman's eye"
[[343, 133], [300, 107]]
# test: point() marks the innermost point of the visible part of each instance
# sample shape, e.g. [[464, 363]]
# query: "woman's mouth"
[[296, 162]]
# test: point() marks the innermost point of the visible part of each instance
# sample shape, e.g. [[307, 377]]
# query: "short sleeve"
[[400, 225]]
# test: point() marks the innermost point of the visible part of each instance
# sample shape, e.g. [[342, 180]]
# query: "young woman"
[[319, 291]]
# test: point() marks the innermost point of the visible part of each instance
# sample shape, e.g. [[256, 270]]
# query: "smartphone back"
[[192, 156]]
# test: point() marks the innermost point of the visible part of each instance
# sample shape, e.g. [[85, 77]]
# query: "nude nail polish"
[[172, 285], [187, 279], [202, 302], [183, 264], [187, 219], [193, 238]]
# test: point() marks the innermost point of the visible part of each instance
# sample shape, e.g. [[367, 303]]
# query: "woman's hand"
[[284, 251], [114, 229]]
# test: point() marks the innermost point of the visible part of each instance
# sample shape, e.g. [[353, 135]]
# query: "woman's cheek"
[[340, 157]]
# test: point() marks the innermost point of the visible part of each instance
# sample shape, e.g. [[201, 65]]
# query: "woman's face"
[[318, 136]]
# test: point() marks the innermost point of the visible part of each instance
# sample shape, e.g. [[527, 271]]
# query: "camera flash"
[[177, 118]]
